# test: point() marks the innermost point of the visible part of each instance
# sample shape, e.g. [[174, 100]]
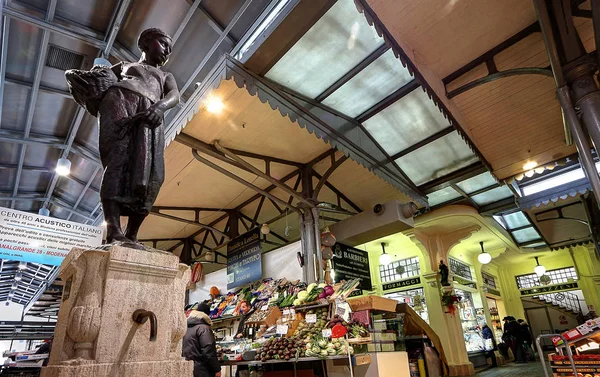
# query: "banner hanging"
[[244, 259], [41, 239]]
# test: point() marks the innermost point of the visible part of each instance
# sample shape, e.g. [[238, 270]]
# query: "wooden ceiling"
[[512, 120]]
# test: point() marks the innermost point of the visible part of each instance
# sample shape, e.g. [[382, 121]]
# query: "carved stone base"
[[462, 370], [141, 369], [95, 333]]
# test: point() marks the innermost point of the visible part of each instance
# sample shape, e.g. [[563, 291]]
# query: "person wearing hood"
[[199, 343]]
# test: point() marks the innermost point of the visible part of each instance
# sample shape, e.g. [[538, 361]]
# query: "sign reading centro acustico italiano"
[[41, 239]]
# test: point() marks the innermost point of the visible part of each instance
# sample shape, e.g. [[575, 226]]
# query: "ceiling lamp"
[[539, 269], [14, 285], [264, 229], [63, 166], [214, 105], [18, 276], [484, 258], [22, 266], [104, 223], [529, 165], [384, 259], [44, 211]]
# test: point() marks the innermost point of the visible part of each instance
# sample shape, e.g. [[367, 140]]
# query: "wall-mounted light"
[[539, 269], [484, 258], [63, 166], [384, 259]]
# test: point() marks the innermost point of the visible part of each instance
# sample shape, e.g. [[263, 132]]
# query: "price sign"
[[292, 312], [326, 333], [275, 296], [286, 312], [311, 318], [265, 308], [282, 329]]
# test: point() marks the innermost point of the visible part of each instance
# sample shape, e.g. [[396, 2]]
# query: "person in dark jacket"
[[528, 340], [514, 333], [245, 312], [490, 344], [199, 343]]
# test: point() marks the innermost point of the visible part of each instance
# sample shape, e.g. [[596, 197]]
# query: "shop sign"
[[350, 263], [492, 291], [402, 283], [244, 259], [549, 288], [41, 239]]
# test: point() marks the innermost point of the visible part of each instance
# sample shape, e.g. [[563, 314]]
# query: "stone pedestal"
[[96, 334]]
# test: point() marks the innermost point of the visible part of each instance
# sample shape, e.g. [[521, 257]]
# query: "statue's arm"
[[155, 113], [171, 98]]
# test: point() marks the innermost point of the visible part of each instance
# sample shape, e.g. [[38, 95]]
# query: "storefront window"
[[489, 280], [461, 269], [401, 269], [413, 297], [496, 324], [561, 275], [472, 317]]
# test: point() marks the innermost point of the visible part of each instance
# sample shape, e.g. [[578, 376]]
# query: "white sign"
[[311, 318], [265, 308], [41, 239], [282, 329], [326, 333]]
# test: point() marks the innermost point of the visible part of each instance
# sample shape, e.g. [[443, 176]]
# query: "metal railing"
[[541, 352], [565, 300]]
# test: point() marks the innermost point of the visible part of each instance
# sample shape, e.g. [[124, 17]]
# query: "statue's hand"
[[154, 115]]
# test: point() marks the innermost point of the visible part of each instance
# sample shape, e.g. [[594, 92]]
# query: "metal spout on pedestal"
[[141, 316]]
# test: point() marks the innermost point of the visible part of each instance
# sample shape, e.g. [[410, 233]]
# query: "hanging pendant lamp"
[[384, 259], [539, 269], [484, 258]]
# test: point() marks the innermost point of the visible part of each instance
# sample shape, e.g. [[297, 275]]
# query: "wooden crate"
[[270, 320], [372, 303]]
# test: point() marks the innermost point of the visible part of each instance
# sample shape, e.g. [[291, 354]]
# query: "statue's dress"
[[132, 154]]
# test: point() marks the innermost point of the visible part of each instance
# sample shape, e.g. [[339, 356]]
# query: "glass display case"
[[472, 318], [387, 333], [413, 297]]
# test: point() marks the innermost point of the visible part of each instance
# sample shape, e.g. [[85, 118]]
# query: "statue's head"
[[156, 44]]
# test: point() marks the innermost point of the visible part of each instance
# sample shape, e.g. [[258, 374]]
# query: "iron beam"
[[387, 101], [3, 57], [262, 175], [453, 178], [186, 20], [215, 25], [191, 222], [41, 61], [427, 140], [327, 174], [353, 72], [85, 188], [240, 180], [491, 53], [216, 45], [42, 89]]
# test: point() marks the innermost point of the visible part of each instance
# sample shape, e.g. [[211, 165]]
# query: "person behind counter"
[[199, 343], [245, 311]]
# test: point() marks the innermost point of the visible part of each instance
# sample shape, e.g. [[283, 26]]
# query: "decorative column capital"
[[438, 245]]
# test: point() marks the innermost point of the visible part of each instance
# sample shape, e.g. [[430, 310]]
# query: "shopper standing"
[[528, 340], [199, 343], [513, 334], [490, 344]]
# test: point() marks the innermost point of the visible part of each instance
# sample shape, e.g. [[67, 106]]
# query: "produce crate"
[[270, 320], [372, 303]]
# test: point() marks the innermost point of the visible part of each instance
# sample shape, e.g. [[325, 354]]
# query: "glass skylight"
[[442, 196], [335, 44]]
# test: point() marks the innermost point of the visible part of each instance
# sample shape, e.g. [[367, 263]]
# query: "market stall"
[[584, 342], [299, 329]]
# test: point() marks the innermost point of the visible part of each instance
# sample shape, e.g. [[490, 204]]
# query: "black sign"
[[549, 288], [244, 259], [493, 291], [402, 283], [350, 263]]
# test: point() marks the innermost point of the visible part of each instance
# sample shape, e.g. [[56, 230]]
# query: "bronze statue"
[[130, 100], [444, 272]]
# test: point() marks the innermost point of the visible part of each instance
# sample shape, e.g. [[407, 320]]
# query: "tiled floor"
[[532, 369]]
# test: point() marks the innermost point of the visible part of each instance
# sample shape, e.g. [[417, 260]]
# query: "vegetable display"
[[323, 347], [281, 349], [307, 331], [355, 328]]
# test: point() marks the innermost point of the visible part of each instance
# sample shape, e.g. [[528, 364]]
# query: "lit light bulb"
[[484, 258], [539, 270], [104, 223], [530, 165], [63, 167], [385, 259], [22, 265], [18, 276], [214, 105]]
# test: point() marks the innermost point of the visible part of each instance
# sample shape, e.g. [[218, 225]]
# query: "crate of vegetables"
[[264, 317]]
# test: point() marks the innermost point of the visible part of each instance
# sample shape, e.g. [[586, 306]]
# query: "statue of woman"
[[130, 100]]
